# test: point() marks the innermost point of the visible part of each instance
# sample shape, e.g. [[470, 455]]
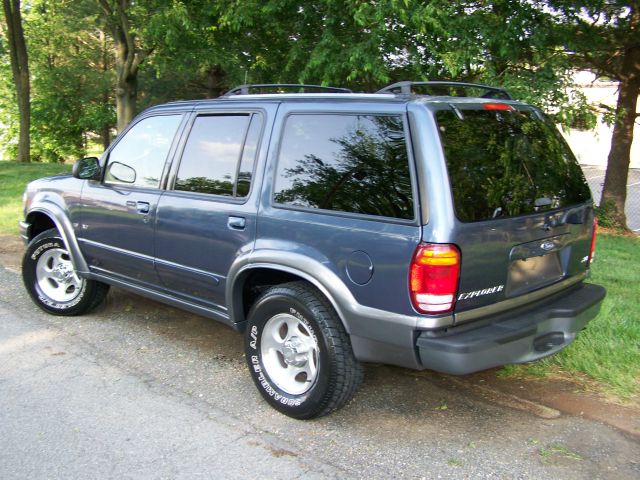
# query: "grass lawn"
[[13, 178], [608, 351]]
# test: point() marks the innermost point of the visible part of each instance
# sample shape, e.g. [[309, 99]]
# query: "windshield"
[[505, 163]]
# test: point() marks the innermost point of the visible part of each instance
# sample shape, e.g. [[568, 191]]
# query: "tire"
[[298, 352], [50, 278]]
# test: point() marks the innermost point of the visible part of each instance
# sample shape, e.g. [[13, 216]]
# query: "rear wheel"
[[51, 280], [298, 352]]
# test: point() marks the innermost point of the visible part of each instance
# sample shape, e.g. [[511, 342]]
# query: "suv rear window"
[[348, 163], [506, 163]]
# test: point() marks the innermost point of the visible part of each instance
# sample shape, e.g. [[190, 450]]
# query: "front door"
[[118, 213]]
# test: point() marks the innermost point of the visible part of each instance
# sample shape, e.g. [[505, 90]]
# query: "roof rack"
[[406, 88], [278, 87]]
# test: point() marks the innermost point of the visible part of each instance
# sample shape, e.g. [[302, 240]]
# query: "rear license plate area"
[[531, 273]]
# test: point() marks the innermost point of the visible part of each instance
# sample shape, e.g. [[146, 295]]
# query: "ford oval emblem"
[[547, 245]]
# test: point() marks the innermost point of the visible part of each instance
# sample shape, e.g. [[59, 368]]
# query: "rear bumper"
[[525, 335]]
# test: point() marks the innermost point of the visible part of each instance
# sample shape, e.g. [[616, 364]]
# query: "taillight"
[[433, 278], [593, 241], [498, 106]]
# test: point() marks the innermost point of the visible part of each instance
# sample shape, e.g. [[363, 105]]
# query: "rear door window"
[[219, 155], [347, 163], [508, 163]]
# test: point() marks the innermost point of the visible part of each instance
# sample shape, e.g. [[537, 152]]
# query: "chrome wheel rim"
[[289, 354], [56, 277]]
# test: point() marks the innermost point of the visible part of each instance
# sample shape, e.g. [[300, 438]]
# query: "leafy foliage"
[[604, 37], [70, 84], [198, 49]]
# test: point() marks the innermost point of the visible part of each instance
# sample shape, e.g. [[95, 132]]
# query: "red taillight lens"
[[433, 279], [593, 241], [498, 106]]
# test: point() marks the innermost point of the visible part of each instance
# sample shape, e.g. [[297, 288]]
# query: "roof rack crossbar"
[[405, 88], [245, 89]]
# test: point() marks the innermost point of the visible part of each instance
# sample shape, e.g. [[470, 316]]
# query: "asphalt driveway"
[[140, 390]]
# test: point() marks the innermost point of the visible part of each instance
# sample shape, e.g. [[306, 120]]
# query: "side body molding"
[[47, 205]]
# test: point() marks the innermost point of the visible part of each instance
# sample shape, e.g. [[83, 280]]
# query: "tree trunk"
[[20, 70], [105, 137], [126, 97], [105, 130], [128, 60], [614, 193], [126, 73], [215, 80]]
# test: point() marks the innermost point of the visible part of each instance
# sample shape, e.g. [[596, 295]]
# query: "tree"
[[145, 30], [72, 78], [365, 45], [167, 50], [20, 70], [129, 54], [324, 42], [71, 81], [604, 37], [193, 57]]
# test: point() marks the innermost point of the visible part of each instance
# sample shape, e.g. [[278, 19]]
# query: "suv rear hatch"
[[524, 209]]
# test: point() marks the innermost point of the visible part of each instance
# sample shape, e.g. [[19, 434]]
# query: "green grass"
[[13, 178], [608, 350]]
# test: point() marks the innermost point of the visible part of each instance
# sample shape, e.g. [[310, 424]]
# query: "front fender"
[[48, 206]]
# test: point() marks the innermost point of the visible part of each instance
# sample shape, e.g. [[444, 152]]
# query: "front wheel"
[[51, 280], [298, 352]]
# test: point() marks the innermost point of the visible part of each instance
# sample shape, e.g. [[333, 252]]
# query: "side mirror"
[[87, 169]]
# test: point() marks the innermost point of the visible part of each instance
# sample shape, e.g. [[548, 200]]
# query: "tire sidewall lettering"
[[44, 300], [253, 343], [44, 247], [268, 388], [306, 322], [61, 306], [261, 377]]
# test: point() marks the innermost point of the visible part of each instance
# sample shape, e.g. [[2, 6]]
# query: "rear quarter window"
[[508, 163], [347, 163]]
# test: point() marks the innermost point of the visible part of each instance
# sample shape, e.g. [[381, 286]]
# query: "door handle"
[[143, 207], [237, 223]]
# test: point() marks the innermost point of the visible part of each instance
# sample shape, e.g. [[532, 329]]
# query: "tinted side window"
[[218, 156], [245, 169], [138, 159], [349, 163]]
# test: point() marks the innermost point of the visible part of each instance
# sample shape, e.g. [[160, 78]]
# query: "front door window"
[[138, 159]]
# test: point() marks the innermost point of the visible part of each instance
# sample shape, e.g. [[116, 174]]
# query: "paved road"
[[595, 177], [138, 390]]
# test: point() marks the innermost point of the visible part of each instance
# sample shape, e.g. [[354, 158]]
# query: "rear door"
[[207, 216], [524, 210]]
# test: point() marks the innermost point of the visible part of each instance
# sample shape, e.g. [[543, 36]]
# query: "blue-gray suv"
[[449, 230]]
